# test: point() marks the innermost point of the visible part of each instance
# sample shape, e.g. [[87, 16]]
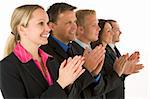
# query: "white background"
[[133, 17]]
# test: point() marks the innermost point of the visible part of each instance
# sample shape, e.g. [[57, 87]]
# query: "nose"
[[48, 28], [98, 28], [120, 32], [74, 26], [112, 32]]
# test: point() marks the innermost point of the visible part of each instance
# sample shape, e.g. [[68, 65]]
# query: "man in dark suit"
[[111, 54], [63, 24], [110, 57]]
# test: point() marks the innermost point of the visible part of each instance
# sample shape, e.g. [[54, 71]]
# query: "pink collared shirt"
[[25, 56]]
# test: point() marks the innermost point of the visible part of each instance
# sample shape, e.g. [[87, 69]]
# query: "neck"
[[83, 39], [32, 49], [104, 44], [113, 42]]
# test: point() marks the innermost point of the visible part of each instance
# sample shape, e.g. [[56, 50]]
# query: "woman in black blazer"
[[27, 71]]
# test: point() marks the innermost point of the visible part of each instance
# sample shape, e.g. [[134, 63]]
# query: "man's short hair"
[[81, 14], [57, 8]]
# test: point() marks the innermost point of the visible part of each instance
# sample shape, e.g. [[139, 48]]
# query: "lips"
[[72, 32], [97, 34]]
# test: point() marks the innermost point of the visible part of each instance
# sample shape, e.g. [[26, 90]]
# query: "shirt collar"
[[64, 46], [24, 56], [82, 44], [112, 45]]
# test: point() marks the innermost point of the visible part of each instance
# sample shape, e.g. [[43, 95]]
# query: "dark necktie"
[[117, 52], [70, 51]]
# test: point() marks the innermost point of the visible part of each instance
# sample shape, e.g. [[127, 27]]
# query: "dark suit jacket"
[[118, 92], [111, 81], [24, 80], [82, 86]]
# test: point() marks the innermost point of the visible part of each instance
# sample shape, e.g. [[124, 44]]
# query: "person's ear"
[[51, 25], [21, 30], [81, 29]]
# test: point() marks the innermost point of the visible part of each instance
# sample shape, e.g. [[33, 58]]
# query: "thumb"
[[86, 51], [69, 59], [116, 59], [126, 56]]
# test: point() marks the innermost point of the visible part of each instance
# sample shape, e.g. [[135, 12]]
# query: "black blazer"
[[24, 80], [83, 83], [110, 57], [111, 81]]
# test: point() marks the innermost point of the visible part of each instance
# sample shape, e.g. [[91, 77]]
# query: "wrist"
[[61, 83]]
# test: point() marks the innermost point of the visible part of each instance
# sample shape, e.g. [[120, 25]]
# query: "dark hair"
[[110, 21], [101, 23], [57, 8]]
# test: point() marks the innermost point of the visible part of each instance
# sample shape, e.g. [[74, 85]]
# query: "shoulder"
[[10, 58], [9, 63], [50, 46], [74, 44], [77, 47]]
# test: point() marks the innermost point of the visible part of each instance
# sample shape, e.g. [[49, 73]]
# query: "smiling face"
[[64, 29], [37, 29]]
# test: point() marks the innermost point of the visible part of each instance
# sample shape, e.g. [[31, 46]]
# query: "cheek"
[[63, 29], [35, 33], [90, 33], [32, 37], [93, 31], [107, 36], [110, 37], [118, 34]]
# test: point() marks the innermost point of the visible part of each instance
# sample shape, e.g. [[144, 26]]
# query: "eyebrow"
[[43, 20]]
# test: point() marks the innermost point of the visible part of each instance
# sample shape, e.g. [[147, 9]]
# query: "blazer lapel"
[[77, 49], [53, 68], [35, 73], [58, 50], [111, 52], [117, 52]]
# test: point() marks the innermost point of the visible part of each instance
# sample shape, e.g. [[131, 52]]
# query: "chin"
[[117, 40], [71, 38], [44, 43], [95, 39]]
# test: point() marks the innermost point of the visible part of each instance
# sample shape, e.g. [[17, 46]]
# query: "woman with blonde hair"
[[27, 71]]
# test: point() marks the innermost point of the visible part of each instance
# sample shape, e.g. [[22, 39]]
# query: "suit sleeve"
[[80, 84], [106, 84], [109, 79]]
